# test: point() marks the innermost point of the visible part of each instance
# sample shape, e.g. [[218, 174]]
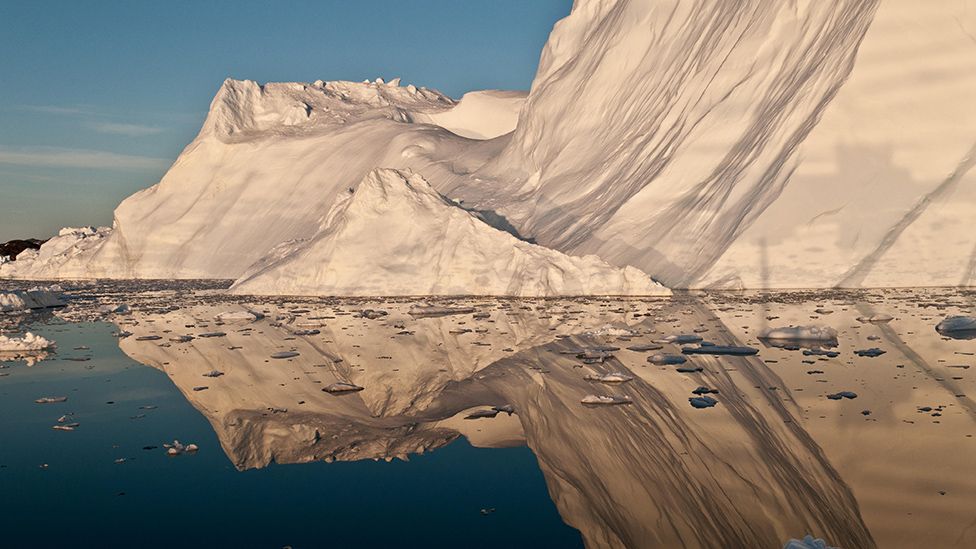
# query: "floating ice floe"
[[663, 359], [808, 542], [28, 343], [800, 333], [870, 353], [594, 356], [482, 414], [682, 339], [958, 327], [644, 347], [821, 352], [373, 314], [435, 310], [876, 318], [35, 298], [605, 399], [702, 402], [706, 349], [114, 309], [177, 448], [615, 377], [342, 387], [238, 316], [609, 330]]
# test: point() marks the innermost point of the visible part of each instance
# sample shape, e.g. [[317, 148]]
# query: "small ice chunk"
[[662, 359], [435, 310], [956, 326], [644, 347], [878, 318], [702, 402], [605, 399], [238, 316], [735, 350], [479, 414], [800, 333], [870, 353], [615, 377], [342, 387], [29, 342], [682, 339]]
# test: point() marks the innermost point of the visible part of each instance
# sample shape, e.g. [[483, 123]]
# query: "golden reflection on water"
[[773, 460]]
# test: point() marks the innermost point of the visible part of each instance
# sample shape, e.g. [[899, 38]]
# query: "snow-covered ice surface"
[[396, 235], [709, 144], [480, 114]]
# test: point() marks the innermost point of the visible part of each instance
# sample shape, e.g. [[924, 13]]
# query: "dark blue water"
[[82, 498]]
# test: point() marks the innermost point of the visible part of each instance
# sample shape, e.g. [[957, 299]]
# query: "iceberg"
[[28, 343], [702, 144], [36, 298]]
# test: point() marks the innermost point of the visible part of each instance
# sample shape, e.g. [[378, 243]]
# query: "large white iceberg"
[[793, 144]]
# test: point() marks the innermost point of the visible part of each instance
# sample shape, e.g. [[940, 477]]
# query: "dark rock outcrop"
[[13, 248]]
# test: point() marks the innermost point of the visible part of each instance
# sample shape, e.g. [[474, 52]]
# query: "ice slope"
[[265, 168], [395, 235]]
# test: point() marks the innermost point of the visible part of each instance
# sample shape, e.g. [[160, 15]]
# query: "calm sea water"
[[65, 489], [866, 440]]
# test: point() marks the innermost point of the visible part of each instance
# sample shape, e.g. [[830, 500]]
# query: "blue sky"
[[97, 98]]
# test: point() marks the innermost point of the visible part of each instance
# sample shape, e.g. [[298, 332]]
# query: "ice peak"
[[246, 108]]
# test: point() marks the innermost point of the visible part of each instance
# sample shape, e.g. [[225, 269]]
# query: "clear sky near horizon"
[[98, 98]]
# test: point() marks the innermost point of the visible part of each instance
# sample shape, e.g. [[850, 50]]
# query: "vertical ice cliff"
[[656, 132], [753, 143]]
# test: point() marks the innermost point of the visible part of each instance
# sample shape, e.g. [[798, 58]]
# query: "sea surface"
[[461, 422]]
